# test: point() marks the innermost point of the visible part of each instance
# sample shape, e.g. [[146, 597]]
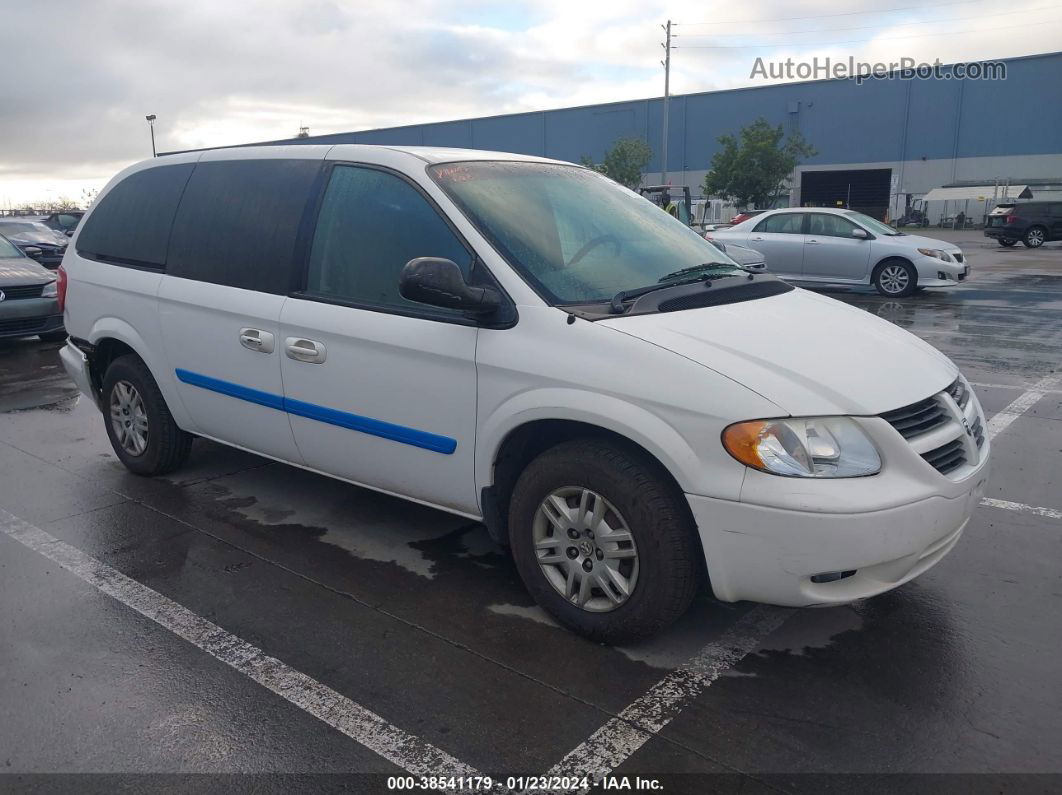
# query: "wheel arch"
[[503, 451]]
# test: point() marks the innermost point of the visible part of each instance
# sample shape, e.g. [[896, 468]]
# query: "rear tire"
[[1034, 237], [614, 493], [895, 278], [139, 424], [1007, 242]]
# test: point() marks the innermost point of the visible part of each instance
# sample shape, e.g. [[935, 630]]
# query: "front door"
[[830, 251], [779, 238], [381, 390]]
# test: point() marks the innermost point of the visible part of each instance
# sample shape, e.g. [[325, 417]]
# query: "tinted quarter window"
[[238, 222], [370, 225], [131, 224], [783, 223]]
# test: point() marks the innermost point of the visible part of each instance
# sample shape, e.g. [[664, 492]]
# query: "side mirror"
[[719, 245], [32, 251], [860, 234], [439, 282]]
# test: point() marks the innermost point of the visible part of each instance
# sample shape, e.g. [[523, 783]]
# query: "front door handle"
[[758, 237], [303, 350], [813, 242], [254, 339]]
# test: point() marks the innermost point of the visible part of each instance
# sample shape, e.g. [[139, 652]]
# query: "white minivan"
[[524, 342]]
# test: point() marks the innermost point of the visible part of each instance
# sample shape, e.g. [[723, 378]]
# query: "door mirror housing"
[[860, 234], [33, 252], [439, 282]]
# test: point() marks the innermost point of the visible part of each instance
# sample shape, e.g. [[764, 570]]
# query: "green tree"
[[752, 170], [625, 162]]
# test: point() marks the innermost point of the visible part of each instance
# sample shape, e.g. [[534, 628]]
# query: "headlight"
[[49, 291], [815, 447], [943, 256]]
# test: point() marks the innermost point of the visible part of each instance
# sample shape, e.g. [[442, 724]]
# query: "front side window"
[[575, 235], [370, 225], [825, 225], [782, 224]]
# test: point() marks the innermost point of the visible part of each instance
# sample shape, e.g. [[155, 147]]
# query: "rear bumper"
[[770, 555], [1009, 232], [76, 364]]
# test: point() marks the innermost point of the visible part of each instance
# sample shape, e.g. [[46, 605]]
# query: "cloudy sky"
[[82, 74]]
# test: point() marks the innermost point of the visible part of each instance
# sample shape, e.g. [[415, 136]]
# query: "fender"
[[115, 328], [631, 421]]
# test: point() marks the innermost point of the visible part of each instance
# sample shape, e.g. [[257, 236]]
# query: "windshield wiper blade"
[[616, 304], [707, 266]]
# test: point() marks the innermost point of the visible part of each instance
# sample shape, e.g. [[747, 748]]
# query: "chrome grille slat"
[[947, 457], [918, 418]]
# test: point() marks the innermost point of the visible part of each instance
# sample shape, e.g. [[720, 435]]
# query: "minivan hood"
[[22, 270], [809, 354]]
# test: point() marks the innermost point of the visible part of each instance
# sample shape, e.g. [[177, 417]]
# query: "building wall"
[[929, 131]]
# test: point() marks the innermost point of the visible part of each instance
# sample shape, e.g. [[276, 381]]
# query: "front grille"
[[978, 431], [947, 457], [959, 392], [918, 418], [25, 291], [28, 325]]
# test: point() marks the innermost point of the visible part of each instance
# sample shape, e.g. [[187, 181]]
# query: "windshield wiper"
[[616, 304], [707, 266]]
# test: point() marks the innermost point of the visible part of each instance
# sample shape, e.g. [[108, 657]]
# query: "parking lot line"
[[1007, 505], [1025, 401], [355, 721], [644, 717]]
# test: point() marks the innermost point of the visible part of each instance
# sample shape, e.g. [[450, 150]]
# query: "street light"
[[151, 124]]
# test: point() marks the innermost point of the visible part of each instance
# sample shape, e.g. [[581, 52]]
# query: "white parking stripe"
[[1007, 505], [1025, 401], [365, 727], [624, 734]]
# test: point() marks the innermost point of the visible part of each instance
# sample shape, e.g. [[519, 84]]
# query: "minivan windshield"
[[576, 235]]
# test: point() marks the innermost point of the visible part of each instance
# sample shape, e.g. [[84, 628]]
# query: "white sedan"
[[831, 246]]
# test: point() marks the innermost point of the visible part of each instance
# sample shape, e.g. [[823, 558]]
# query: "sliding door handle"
[[303, 350]]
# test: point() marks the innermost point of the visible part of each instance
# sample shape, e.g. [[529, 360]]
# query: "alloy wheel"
[[129, 418], [894, 279], [585, 549]]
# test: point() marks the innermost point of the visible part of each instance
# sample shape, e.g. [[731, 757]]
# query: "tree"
[[625, 162], [754, 171]]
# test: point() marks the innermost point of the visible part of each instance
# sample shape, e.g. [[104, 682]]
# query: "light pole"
[[151, 125], [667, 98]]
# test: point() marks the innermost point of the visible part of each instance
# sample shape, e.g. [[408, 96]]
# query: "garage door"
[[865, 190]]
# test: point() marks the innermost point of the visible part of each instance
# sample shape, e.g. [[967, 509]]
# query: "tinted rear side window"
[[238, 222], [131, 224]]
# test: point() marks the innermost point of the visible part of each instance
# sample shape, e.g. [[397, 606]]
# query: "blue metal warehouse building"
[[880, 144]]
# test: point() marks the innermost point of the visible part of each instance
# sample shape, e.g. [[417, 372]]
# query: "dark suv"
[[1033, 223]]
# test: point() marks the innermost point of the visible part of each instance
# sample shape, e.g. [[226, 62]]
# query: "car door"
[[381, 390], [831, 253], [231, 264], [779, 237]]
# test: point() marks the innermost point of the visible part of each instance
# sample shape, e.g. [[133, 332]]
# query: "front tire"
[[604, 541], [139, 424], [895, 278], [1035, 237]]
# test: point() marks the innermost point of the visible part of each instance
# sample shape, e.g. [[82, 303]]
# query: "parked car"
[[33, 235], [525, 343], [65, 222], [28, 299], [745, 215], [828, 246], [1033, 223]]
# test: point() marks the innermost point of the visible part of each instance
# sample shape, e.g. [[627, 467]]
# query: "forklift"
[[677, 196]]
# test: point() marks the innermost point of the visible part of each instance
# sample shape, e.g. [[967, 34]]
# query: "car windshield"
[[873, 224], [576, 235], [8, 249]]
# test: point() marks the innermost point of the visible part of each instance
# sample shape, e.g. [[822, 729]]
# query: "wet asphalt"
[[416, 615]]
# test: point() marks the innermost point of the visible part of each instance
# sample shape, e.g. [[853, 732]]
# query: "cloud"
[[82, 76]]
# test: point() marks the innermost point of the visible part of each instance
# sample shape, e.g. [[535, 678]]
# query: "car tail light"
[[60, 287], [1012, 219]]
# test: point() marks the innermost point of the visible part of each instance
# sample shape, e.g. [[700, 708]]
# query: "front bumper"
[[933, 272], [29, 316]]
